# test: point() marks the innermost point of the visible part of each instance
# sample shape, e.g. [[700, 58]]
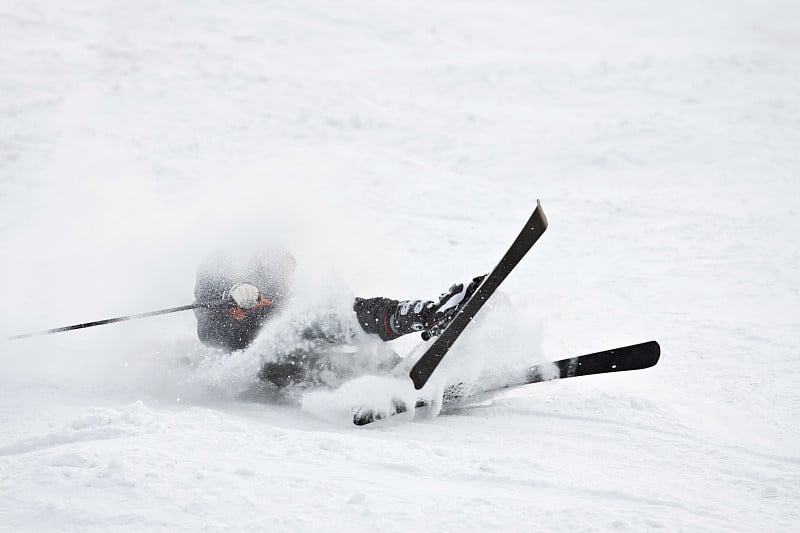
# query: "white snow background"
[[397, 147]]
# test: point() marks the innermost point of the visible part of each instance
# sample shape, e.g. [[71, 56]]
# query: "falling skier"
[[255, 290], [235, 301]]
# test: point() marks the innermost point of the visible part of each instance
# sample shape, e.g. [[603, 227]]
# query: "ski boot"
[[391, 318]]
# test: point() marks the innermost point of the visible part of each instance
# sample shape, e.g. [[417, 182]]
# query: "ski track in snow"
[[397, 147]]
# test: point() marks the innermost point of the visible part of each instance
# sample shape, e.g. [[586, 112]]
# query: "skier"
[[254, 290]]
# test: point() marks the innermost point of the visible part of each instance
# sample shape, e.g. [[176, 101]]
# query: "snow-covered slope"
[[397, 147]]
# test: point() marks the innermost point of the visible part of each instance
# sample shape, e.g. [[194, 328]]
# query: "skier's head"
[[270, 269]]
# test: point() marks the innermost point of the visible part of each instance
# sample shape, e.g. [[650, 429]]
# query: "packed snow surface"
[[396, 148]]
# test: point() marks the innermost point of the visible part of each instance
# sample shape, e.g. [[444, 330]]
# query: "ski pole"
[[194, 305]]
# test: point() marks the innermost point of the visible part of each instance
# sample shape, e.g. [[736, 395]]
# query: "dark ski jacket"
[[232, 328]]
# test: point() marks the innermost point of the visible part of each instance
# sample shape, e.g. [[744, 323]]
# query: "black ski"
[[634, 357], [530, 233]]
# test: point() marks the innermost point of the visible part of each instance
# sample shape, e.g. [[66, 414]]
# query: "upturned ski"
[[533, 229], [634, 357]]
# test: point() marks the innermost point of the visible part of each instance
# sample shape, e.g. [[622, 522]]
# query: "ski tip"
[[539, 212], [656, 351], [651, 353], [365, 415], [362, 419], [653, 345], [656, 346]]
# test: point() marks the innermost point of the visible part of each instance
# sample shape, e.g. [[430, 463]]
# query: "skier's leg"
[[374, 314], [284, 372], [390, 319]]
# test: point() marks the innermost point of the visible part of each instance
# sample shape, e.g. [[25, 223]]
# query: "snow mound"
[[376, 393], [96, 424]]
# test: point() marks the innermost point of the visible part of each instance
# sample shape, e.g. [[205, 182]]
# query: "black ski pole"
[[194, 305]]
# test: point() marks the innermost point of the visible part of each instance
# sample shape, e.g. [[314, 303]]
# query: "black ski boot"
[[391, 318]]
